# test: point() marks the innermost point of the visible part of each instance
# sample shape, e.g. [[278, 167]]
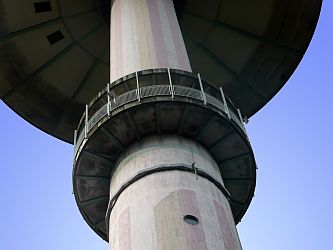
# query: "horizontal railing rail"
[[151, 91], [164, 76]]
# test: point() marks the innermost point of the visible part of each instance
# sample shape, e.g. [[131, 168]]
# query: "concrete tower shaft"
[[145, 34], [161, 201], [158, 209]]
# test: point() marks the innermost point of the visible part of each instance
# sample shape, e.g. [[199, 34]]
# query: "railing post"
[[241, 118], [240, 115], [109, 98], [226, 109], [242, 121], [75, 139], [86, 123], [137, 87], [170, 82], [202, 90]]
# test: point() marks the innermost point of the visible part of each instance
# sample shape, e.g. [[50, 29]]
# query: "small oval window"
[[190, 219]]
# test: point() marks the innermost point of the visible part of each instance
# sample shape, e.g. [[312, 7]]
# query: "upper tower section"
[[54, 55]]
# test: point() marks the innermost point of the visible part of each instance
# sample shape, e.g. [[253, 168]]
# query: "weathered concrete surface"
[[145, 34], [151, 210]]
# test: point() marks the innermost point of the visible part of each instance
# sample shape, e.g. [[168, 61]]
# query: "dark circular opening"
[[190, 219]]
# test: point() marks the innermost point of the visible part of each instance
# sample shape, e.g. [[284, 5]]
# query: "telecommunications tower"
[[156, 93]]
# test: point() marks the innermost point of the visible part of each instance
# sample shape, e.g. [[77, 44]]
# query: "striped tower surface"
[[145, 34], [159, 203], [169, 209]]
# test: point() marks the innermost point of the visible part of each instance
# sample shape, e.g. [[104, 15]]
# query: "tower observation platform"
[[154, 95]]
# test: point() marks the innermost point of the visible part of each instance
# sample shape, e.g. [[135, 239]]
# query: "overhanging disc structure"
[[55, 54]]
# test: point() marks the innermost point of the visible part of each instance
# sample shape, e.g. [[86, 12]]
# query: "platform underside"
[[107, 140]]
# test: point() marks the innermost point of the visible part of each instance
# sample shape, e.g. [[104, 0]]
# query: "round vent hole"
[[190, 219]]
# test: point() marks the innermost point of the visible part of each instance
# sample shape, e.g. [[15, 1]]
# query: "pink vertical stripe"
[[125, 230], [194, 233], [227, 237], [177, 40], [157, 34]]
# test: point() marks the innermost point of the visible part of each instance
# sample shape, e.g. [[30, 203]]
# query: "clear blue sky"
[[292, 138]]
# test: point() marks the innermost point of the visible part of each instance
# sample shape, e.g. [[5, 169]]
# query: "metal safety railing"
[[140, 93]]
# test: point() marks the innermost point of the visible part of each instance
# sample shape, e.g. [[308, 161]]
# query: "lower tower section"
[[162, 161], [167, 193]]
